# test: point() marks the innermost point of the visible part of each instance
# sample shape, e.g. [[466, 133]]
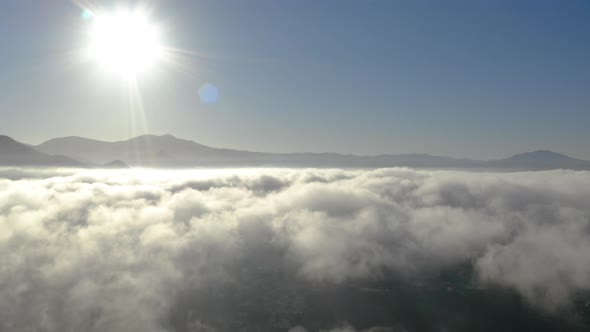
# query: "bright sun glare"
[[124, 42]]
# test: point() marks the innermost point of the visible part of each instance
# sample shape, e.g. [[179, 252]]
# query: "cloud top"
[[123, 250]]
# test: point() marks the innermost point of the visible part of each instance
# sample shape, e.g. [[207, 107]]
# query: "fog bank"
[[127, 250]]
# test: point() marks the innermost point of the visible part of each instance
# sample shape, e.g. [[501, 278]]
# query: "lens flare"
[[208, 93]]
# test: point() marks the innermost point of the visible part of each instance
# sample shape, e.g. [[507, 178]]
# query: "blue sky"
[[479, 79]]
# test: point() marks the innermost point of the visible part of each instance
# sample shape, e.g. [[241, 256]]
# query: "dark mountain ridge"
[[540, 159], [13, 153], [171, 152]]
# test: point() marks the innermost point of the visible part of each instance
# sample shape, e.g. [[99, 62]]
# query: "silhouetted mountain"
[[146, 150], [116, 164], [13, 153], [540, 159], [169, 151]]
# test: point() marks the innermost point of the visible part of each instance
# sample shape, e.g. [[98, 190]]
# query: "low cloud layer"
[[141, 250]]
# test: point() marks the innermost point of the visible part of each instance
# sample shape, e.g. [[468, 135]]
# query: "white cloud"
[[119, 250]]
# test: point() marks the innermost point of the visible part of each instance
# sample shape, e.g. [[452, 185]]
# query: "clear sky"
[[471, 78]]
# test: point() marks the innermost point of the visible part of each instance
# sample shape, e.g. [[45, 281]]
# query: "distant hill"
[[116, 164], [146, 150], [538, 160], [171, 152], [13, 153]]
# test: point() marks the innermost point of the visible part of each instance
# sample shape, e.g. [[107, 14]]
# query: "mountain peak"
[[116, 164], [8, 144], [14, 153], [542, 155], [4, 138], [153, 137], [540, 159]]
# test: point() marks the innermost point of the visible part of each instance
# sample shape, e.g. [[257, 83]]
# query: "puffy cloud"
[[149, 250]]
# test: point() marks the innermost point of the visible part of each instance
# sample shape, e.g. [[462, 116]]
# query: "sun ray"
[[138, 124]]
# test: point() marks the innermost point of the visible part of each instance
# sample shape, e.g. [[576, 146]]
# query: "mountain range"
[[13, 153], [167, 151]]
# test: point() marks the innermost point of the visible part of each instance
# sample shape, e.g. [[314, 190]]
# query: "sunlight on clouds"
[[99, 250]]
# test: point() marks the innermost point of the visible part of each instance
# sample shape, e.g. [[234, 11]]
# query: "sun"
[[124, 42]]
